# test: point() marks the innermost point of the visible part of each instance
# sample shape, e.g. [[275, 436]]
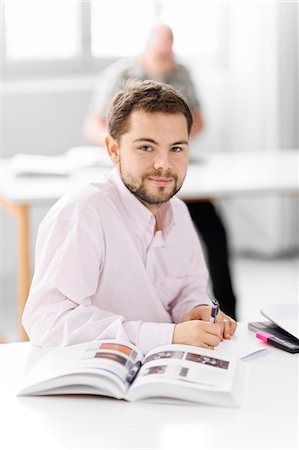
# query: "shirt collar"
[[138, 215]]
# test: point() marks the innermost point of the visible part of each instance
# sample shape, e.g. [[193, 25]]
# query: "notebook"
[[283, 323]]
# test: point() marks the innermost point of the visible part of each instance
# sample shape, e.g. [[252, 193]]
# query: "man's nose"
[[162, 162]]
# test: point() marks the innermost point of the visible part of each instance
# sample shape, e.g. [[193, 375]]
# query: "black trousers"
[[213, 234]]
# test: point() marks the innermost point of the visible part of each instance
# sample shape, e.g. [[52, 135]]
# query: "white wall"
[[259, 109], [43, 117]]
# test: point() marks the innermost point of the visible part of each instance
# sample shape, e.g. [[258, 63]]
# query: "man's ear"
[[112, 148]]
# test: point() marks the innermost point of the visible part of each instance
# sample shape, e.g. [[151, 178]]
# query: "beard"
[[147, 193]]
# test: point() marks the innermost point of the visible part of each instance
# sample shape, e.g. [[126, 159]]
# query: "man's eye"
[[176, 149], [146, 148]]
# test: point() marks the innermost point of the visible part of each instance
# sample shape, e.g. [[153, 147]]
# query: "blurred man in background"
[[158, 63]]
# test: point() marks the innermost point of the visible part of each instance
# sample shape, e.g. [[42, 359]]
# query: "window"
[[55, 36], [41, 30], [120, 28], [196, 27]]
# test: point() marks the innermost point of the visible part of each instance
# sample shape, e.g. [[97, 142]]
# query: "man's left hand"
[[203, 312]]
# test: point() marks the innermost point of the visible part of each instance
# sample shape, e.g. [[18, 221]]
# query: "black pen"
[[215, 309]]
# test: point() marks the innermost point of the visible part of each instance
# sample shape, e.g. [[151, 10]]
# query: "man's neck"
[[154, 210]]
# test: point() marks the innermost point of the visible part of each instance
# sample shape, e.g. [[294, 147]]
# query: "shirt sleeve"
[[110, 81], [60, 309], [186, 86]]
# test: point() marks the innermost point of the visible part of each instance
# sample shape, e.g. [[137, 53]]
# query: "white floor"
[[264, 282], [257, 283]]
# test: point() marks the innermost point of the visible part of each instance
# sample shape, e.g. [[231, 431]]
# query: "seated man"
[[121, 259], [159, 63]]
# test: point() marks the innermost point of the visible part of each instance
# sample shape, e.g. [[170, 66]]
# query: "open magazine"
[[119, 370]]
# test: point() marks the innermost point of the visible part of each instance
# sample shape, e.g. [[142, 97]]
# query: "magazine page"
[[96, 367], [187, 373]]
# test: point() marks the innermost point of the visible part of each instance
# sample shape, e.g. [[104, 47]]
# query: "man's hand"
[[197, 332], [203, 312]]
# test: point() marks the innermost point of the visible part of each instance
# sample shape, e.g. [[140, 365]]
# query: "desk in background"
[[269, 419], [215, 176]]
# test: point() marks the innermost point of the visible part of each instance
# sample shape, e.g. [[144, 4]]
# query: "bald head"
[[161, 39], [158, 58]]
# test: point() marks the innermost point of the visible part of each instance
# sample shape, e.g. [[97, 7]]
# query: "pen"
[[215, 309]]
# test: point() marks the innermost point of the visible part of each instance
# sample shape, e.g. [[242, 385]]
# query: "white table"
[[215, 176], [269, 419]]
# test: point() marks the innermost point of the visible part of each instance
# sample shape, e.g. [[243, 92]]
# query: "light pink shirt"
[[102, 272]]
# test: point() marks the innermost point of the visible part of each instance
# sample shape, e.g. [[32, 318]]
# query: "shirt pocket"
[[168, 289]]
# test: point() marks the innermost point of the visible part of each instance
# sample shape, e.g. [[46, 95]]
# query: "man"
[[158, 63], [121, 259]]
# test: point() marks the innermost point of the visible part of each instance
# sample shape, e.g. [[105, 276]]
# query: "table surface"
[[218, 175], [268, 420]]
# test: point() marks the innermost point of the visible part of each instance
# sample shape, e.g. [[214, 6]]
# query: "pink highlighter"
[[274, 341]]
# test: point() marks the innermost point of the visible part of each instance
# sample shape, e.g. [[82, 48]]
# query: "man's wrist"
[[192, 314]]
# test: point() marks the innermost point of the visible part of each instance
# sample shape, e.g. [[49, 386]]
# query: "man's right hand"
[[197, 332]]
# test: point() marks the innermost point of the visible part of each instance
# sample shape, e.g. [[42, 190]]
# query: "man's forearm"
[[62, 324]]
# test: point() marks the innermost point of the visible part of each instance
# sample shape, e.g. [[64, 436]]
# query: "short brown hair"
[[148, 96]]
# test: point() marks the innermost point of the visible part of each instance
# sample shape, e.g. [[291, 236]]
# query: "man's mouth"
[[160, 181]]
